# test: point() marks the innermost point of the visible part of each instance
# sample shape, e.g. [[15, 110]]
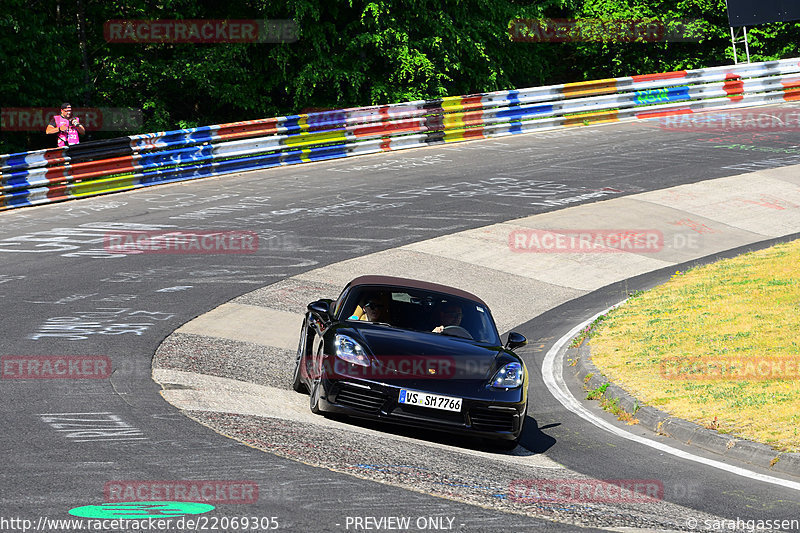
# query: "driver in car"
[[448, 314]]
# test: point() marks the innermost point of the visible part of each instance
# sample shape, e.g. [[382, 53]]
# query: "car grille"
[[485, 419], [431, 414], [361, 399]]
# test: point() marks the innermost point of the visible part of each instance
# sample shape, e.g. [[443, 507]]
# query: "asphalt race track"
[[63, 294]]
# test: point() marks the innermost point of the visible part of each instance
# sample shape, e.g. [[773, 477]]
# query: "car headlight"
[[508, 377], [349, 350]]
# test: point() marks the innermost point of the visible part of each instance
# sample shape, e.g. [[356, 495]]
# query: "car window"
[[420, 310]]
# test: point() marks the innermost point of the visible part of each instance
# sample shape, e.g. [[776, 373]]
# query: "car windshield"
[[421, 310]]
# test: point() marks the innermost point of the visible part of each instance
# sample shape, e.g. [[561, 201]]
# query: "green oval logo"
[[134, 510]]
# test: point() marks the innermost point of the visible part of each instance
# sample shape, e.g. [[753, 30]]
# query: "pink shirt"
[[70, 136]]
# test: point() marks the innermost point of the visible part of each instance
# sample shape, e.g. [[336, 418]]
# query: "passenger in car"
[[374, 307]]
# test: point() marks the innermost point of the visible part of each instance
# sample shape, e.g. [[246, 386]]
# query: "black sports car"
[[415, 353]]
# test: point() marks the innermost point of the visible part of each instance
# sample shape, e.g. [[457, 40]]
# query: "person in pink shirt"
[[66, 126]]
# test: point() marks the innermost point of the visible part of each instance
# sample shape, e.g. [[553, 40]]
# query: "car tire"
[[316, 390], [297, 382]]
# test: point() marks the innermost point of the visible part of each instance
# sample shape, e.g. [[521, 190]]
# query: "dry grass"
[[746, 308]]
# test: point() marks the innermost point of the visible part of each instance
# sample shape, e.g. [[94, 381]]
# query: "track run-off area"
[[211, 337]]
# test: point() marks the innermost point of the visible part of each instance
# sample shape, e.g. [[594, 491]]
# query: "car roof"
[[413, 284]]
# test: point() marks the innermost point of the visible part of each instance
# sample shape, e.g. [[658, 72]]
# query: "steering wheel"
[[456, 331]]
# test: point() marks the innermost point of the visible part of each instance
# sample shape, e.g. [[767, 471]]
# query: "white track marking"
[[554, 380]]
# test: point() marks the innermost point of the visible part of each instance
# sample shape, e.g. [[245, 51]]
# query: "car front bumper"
[[498, 415]]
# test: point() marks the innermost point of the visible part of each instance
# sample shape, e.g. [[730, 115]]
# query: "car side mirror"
[[321, 308], [515, 340]]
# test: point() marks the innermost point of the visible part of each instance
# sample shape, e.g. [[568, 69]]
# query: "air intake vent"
[[484, 419], [361, 399]]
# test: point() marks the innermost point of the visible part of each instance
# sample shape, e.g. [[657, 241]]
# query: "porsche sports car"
[[414, 353]]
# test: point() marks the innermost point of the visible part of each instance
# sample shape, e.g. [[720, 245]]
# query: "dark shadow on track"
[[533, 439]]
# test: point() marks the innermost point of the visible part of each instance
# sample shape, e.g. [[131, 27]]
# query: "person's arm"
[[51, 127], [80, 128], [358, 314]]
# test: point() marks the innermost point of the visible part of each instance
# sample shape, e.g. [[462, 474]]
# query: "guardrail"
[[100, 167]]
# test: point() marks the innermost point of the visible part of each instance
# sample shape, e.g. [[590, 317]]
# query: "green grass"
[[712, 322]]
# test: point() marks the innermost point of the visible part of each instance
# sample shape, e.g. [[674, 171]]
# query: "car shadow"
[[533, 440]]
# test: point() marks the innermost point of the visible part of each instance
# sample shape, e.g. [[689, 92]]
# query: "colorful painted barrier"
[[126, 163]]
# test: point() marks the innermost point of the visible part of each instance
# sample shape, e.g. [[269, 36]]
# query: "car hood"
[[424, 355]]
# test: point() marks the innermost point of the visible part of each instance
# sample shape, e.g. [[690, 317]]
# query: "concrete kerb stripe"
[[479, 260]]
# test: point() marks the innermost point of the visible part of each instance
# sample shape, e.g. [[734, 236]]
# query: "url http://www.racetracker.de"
[[746, 525], [198, 523]]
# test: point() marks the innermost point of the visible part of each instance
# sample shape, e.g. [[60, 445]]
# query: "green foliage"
[[349, 53], [597, 393]]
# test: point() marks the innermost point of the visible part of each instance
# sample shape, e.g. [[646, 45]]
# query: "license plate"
[[434, 401]]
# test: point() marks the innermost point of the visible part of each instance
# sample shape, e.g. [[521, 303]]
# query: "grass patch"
[[586, 332], [611, 404], [744, 309], [597, 393]]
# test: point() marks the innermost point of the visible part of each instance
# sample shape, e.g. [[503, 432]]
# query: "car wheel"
[[297, 382], [316, 390]]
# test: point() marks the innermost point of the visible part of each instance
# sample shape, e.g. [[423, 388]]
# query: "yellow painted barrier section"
[[591, 118], [463, 134], [452, 103], [589, 88], [453, 120], [89, 188], [309, 139]]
